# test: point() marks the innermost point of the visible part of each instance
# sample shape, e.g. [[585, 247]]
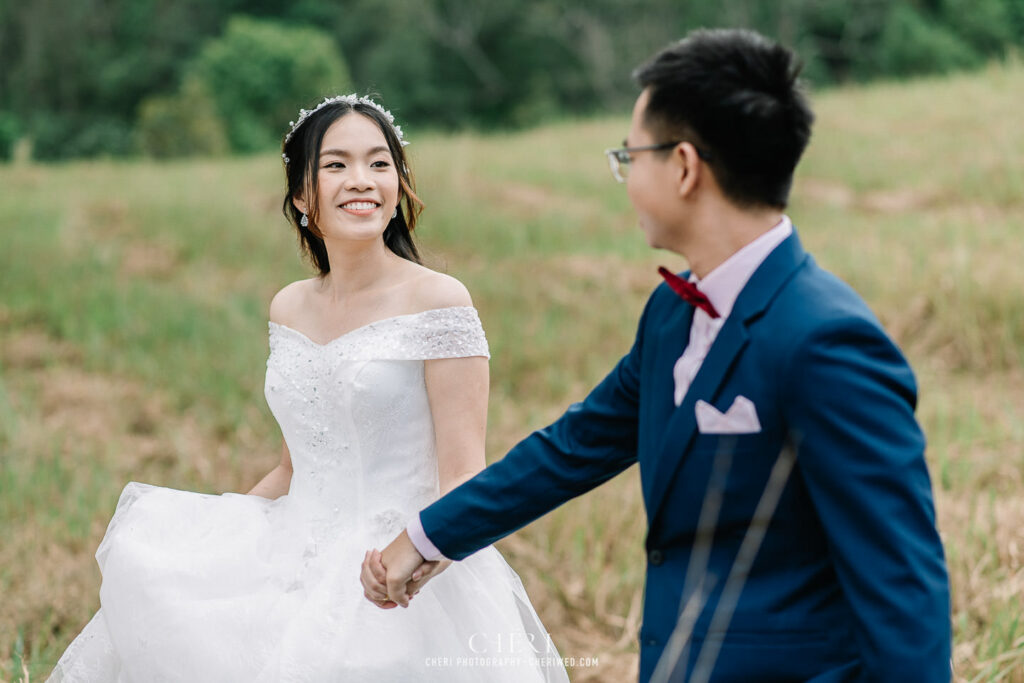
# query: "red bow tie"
[[688, 292]]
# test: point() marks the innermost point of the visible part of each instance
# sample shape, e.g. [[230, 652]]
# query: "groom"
[[768, 354]]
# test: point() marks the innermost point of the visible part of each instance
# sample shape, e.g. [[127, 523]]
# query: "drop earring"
[[394, 215], [305, 220]]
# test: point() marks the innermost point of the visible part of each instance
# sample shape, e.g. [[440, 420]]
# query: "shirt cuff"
[[419, 539]]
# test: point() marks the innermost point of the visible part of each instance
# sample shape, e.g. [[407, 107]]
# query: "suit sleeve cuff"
[[419, 539]]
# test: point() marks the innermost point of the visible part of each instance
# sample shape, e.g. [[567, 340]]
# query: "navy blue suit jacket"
[[850, 582]]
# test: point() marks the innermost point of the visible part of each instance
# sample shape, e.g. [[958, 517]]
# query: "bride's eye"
[[381, 164], [334, 164]]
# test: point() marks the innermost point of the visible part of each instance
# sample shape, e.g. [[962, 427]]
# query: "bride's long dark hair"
[[301, 171]]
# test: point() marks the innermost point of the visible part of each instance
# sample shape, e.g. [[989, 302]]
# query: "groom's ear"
[[687, 168]]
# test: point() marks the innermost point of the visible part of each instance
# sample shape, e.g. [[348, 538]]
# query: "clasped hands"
[[392, 577]]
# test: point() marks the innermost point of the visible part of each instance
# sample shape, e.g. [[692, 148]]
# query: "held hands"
[[391, 578]]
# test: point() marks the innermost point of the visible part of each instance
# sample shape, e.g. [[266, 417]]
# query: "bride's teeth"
[[359, 206]]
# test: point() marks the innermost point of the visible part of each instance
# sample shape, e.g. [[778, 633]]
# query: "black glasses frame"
[[620, 156]]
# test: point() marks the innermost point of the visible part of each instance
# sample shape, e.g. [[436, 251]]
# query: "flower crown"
[[351, 99]]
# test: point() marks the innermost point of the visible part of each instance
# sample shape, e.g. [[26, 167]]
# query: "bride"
[[378, 377]]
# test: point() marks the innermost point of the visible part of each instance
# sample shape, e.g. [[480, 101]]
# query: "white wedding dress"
[[240, 588]]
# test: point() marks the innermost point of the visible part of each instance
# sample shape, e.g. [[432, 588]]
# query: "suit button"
[[655, 557]]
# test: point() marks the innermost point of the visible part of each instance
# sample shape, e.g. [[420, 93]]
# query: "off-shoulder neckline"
[[368, 325]]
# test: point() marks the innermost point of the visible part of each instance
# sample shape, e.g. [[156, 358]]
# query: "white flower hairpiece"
[[352, 99]]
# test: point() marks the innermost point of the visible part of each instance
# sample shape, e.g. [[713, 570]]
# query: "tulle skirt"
[[239, 588]]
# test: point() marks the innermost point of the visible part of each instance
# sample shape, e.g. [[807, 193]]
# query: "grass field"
[[133, 301]]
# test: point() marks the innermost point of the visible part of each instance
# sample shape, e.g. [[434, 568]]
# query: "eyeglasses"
[[620, 159]]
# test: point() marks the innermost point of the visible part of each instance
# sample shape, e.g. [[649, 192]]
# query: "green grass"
[[133, 302]]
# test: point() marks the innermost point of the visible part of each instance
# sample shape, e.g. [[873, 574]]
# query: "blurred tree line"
[[176, 77]]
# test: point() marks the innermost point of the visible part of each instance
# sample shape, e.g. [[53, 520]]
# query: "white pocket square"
[[741, 418]]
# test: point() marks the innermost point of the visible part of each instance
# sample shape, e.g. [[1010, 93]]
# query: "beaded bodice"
[[355, 415]]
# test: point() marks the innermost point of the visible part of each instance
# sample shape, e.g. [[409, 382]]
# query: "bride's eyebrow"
[[347, 154]]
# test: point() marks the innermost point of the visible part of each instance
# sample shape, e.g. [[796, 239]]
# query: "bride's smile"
[[360, 208]]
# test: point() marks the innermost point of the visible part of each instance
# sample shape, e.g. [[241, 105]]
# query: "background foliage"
[[101, 77]]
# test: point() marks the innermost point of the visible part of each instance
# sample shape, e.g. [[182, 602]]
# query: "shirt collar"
[[723, 284]]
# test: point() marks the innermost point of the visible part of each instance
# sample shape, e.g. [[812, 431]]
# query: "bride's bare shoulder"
[[429, 289], [292, 298]]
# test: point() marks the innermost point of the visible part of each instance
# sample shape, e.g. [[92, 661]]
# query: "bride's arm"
[[277, 481], [457, 390]]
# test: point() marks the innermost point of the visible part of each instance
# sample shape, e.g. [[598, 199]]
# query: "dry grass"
[[132, 323]]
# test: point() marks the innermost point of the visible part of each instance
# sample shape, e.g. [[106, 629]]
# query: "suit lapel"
[[734, 336], [673, 337], [682, 425]]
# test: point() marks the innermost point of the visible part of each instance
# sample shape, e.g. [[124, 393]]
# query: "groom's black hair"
[[734, 94]]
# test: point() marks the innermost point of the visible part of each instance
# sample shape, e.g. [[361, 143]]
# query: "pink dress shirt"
[[721, 286]]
